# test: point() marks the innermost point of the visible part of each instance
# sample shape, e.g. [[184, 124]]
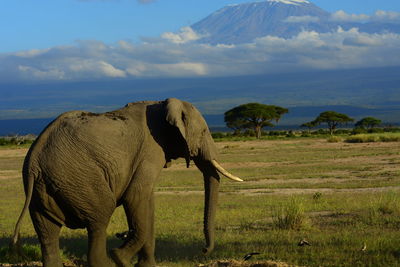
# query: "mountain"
[[242, 23]]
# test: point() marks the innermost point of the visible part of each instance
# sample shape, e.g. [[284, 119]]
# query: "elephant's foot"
[[120, 260], [145, 264]]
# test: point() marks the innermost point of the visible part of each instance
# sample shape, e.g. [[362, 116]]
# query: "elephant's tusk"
[[225, 172]]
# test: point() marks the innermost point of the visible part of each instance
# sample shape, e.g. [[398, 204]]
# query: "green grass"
[[338, 196], [28, 252]]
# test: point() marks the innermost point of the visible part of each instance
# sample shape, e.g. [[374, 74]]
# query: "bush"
[[317, 196], [359, 131], [367, 138], [391, 130], [343, 131], [362, 138], [334, 139], [376, 130], [321, 132], [249, 132], [290, 134], [291, 216], [218, 135], [17, 140]]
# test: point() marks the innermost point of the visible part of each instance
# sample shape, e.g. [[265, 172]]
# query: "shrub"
[[391, 130], [366, 138], [290, 134], [218, 135], [389, 138], [317, 195], [277, 133], [343, 131], [376, 130], [362, 138], [359, 131], [321, 132], [290, 216], [17, 140], [334, 139], [249, 132]]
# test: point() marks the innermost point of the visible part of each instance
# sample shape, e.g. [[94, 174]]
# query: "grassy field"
[[338, 196]]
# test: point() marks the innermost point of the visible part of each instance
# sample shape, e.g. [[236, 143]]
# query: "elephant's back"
[[84, 144]]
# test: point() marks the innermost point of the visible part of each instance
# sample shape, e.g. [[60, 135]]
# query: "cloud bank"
[[379, 16], [301, 19], [177, 55]]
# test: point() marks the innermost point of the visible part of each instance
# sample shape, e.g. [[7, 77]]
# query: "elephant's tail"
[[14, 244]]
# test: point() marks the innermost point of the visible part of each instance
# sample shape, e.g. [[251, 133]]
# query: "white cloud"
[[182, 69], [91, 60], [301, 19], [343, 16], [379, 15], [186, 34], [31, 53], [110, 71], [390, 16]]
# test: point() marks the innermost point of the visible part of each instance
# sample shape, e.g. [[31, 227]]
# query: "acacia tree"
[[368, 123], [309, 125], [253, 116], [332, 119]]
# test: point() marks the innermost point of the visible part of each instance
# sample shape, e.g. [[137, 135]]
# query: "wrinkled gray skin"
[[84, 165]]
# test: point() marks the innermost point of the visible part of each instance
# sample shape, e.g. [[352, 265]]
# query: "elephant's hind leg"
[[48, 233]]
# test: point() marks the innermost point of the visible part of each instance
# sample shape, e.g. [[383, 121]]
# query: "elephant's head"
[[195, 143]]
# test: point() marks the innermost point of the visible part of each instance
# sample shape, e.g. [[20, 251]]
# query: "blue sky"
[[90, 40], [29, 24]]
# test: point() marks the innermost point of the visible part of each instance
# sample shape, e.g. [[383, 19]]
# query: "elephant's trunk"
[[211, 187]]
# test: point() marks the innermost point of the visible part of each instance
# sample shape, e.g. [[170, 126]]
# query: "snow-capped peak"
[[291, 2]]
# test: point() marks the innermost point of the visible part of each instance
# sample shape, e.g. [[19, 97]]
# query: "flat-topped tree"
[[333, 119], [253, 116], [368, 123]]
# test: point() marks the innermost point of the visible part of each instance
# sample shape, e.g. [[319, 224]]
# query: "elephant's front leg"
[[97, 255], [139, 211], [146, 254]]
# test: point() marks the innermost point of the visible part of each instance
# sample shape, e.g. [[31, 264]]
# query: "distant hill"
[[292, 120], [242, 23], [362, 92]]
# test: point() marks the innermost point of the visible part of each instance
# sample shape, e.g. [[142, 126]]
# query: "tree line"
[[256, 116]]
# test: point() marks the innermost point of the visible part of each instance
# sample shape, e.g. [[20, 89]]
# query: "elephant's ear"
[[176, 117]]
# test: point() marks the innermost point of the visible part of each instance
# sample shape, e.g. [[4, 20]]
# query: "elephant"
[[83, 165]]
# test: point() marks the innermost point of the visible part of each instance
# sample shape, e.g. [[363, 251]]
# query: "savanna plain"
[[343, 198]]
